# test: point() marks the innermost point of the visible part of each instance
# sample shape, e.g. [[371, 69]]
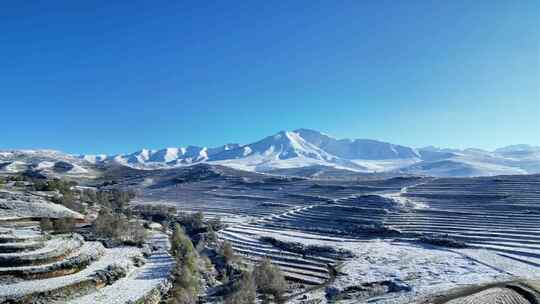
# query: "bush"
[[19, 184], [89, 195], [64, 225], [181, 246], [211, 236], [117, 227], [16, 178], [156, 213], [270, 280], [46, 224], [228, 253], [245, 291], [327, 251], [182, 296], [216, 223], [186, 274], [443, 240], [61, 186], [193, 223], [68, 200], [136, 232], [115, 199]]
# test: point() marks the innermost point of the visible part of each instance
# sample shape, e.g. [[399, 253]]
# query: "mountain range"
[[300, 148]]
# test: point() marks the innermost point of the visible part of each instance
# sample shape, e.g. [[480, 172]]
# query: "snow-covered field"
[[70, 270], [111, 257], [140, 282], [386, 164], [16, 205], [425, 270]]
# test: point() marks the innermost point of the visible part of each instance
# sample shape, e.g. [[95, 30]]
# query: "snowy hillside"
[[286, 149], [301, 148], [357, 148], [47, 162]]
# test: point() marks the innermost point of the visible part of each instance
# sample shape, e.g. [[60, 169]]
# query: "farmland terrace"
[[497, 218], [498, 213], [40, 268], [221, 191]]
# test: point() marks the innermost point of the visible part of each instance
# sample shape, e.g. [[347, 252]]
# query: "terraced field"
[[233, 194], [512, 292], [493, 295], [336, 220], [39, 268], [498, 217], [261, 205], [311, 270], [501, 214]]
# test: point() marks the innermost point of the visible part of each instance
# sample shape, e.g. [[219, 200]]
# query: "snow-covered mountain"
[[298, 149], [285, 149], [357, 148], [48, 162], [305, 148], [166, 157]]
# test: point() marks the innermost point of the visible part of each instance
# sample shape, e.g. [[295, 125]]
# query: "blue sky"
[[110, 77]]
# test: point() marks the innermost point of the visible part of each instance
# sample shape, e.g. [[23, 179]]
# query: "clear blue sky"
[[115, 76]]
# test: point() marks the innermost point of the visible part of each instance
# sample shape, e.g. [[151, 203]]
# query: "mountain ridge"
[[306, 147]]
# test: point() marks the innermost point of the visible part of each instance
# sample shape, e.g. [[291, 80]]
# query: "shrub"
[[228, 253], [16, 178], [181, 245], [245, 291], [321, 250], [136, 232], [187, 279], [68, 200], [117, 227], [443, 240], [115, 199], [156, 213], [207, 263], [40, 186], [182, 296], [270, 280], [88, 195], [46, 224], [64, 225], [211, 236], [186, 273], [216, 223], [193, 223], [19, 184], [104, 225], [121, 198], [61, 186]]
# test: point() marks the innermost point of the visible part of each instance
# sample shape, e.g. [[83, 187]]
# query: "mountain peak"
[[304, 147]]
